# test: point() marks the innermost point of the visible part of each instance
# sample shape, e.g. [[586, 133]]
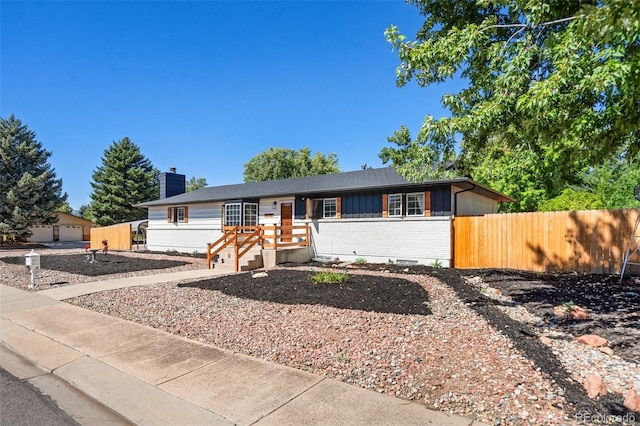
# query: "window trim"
[[420, 195], [173, 214], [226, 213], [389, 196], [244, 213], [324, 208], [237, 210]]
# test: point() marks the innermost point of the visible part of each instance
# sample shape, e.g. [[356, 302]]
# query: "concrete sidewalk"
[[155, 378]]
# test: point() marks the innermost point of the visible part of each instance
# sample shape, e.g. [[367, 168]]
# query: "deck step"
[[226, 260]]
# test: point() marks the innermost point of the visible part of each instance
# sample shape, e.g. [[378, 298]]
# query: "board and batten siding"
[[423, 240]]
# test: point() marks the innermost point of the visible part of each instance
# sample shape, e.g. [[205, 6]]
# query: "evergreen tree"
[[29, 190], [65, 208], [125, 178], [85, 212]]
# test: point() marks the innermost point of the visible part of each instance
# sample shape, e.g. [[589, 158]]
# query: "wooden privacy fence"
[[591, 241], [119, 236]]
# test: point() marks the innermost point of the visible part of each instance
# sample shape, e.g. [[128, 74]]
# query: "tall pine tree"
[[29, 190], [125, 178]]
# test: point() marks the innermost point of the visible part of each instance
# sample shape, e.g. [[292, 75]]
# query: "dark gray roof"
[[367, 179]]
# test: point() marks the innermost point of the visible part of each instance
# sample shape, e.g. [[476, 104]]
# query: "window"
[[251, 214], [177, 215], [323, 208], [330, 208], [232, 214], [415, 204], [395, 205]]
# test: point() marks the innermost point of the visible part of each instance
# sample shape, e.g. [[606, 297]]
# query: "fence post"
[[237, 261]]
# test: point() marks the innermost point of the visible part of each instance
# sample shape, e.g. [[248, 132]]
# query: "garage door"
[[42, 233], [70, 233]]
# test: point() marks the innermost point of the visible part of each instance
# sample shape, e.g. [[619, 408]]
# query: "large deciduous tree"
[[607, 186], [126, 177], [29, 190], [557, 83], [195, 183], [282, 163]]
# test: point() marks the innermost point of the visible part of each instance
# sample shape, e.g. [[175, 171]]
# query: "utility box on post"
[[32, 260]]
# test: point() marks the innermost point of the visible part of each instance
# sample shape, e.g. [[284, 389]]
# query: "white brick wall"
[[424, 240]]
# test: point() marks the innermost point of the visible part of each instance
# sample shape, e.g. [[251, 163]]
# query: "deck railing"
[[275, 236], [244, 238]]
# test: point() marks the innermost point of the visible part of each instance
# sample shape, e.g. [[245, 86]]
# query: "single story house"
[[371, 214], [67, 228]]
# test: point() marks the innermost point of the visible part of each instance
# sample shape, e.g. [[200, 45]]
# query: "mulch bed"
[[293, 287], [108, 264], [613, 306]]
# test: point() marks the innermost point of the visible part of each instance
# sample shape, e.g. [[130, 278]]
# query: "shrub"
[[437, 264], [361, 260], [328, 277]]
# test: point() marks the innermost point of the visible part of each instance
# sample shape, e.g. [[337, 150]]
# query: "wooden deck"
[[243, 238]]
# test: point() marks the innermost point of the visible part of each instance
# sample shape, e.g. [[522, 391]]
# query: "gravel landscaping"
[[465, 342], [64, 267]]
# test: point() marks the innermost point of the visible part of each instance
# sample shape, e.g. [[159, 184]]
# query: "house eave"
[[348, 182]]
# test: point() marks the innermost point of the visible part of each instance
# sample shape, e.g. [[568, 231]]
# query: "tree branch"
[[523, 26], [557, 21], [513, 35]]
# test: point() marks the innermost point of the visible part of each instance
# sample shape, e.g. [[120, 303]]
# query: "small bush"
[[328, 277], [343, 358], [361, 260]]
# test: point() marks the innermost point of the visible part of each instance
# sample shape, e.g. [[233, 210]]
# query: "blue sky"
[[204, 86]]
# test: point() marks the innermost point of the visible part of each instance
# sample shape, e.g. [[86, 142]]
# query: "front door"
[[286, 221]]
